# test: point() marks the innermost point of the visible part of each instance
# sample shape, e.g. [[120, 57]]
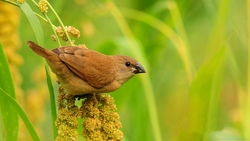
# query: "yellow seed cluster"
[[43, 6], [68, 115], [110, 118], [73, 31], [101, 122], [69, 29], [53, 37], [91, 124]]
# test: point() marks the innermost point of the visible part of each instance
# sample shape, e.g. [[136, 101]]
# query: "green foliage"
[[34, 22], [17, 108], [10, 109], [8, 114], [195, 54], [52, 101], [203, 96]]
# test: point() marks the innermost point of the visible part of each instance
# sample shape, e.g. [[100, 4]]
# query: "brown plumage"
[[82, 71]]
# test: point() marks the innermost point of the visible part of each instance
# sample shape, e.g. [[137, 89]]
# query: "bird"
[[83, 71]]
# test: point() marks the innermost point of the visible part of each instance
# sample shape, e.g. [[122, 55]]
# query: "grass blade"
[[9, 117], [21, 113], [167, 31], [139, 53], [37, 28], [34, 22], [203, 95], [52, 101]]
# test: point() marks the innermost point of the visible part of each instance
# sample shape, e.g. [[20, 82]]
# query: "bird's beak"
[[139, 69]]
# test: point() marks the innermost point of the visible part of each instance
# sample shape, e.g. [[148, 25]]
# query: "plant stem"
[[60, 21], [10, 2], [52, 26], [166, 31], [145, 80]]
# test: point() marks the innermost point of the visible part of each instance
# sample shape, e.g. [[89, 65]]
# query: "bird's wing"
[[94, 68]]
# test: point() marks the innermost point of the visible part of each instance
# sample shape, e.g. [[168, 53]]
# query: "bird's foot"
[[79, 97]]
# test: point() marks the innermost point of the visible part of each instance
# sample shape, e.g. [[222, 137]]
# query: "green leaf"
[[52, 101], [8, 114], [37, 28], [203, 96], [17, 108], [34, 22]]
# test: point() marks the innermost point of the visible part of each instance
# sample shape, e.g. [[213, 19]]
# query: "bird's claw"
[[79, 97]]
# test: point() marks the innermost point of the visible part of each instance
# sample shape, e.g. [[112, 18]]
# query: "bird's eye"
[[127, 64]]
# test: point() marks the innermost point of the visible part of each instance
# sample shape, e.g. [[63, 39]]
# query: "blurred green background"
[[195, 53]]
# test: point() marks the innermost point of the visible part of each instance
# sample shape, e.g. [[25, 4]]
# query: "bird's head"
[[127, 67]]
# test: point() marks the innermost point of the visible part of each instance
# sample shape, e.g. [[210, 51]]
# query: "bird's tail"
[[39, 50]]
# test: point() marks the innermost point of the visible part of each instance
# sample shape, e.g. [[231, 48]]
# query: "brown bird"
[[84, 71]]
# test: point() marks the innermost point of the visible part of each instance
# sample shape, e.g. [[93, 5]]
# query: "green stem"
[[10, 2], [145, 80], [60, 21], [52, 26], [166, 31], [35, 3], [58, 18], [41, 17], [179, 26], [33, 11], [52, 102]]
